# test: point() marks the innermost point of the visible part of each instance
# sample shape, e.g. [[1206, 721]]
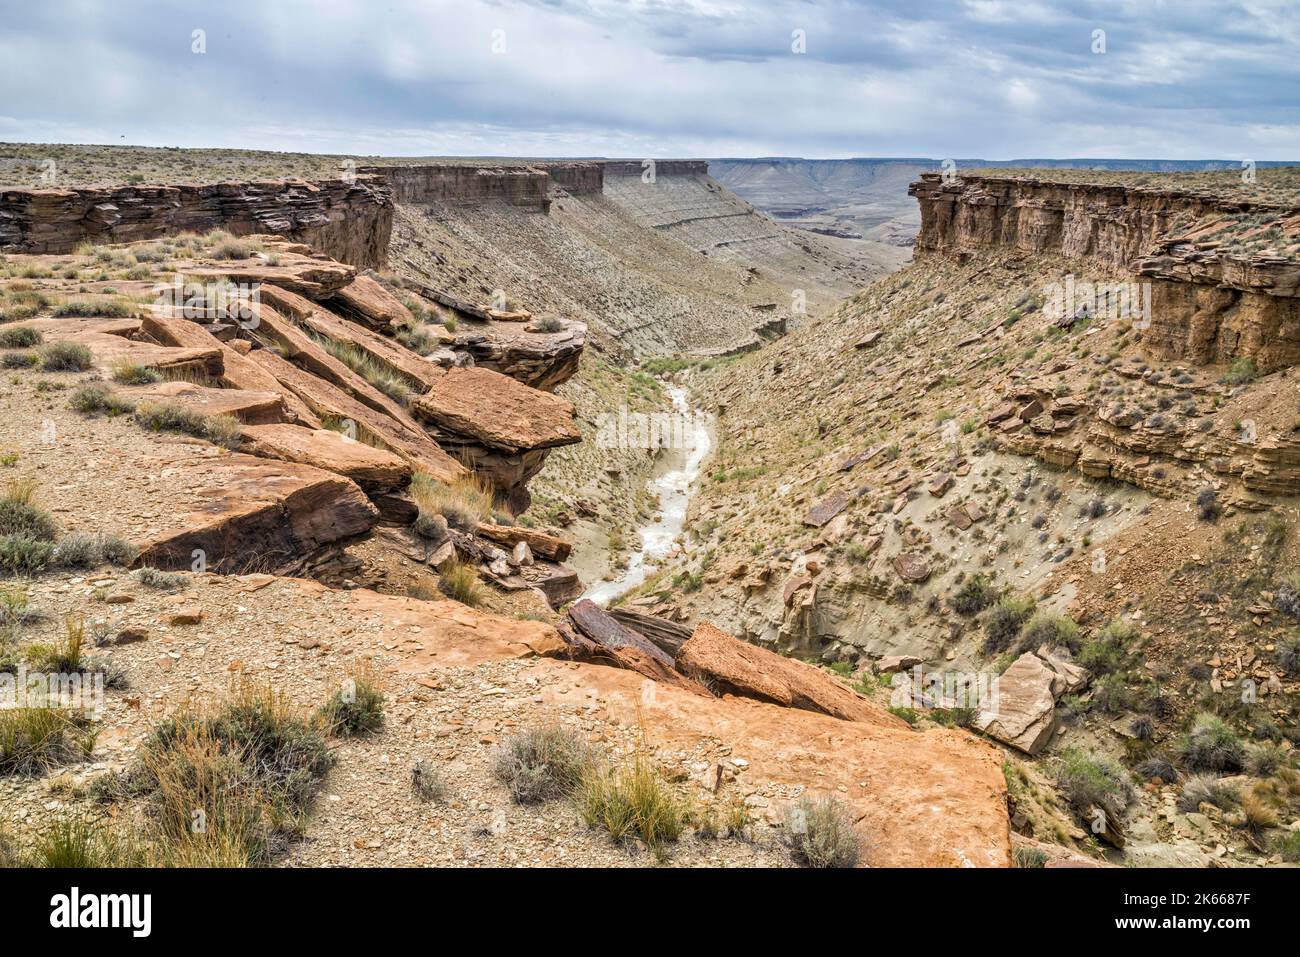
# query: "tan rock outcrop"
[[247, 513], [374, 470], [739, 667]]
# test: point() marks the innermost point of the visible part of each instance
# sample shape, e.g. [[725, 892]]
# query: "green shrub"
[[1087, 781], [20, 337], [974, 596], [1240, 371], [65, 357], [1054, 631], [1002, 622], [1105, 651], [820, 833]]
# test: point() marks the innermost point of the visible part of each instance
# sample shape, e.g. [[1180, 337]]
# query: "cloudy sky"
[[993, 79]]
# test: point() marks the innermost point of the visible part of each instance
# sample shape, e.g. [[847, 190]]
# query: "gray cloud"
[[987, 78]]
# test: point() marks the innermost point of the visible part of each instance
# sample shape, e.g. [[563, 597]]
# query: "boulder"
[[1023, 711], [496, 411], [548, 546], [912, 567], [738, 667], [250, 513]]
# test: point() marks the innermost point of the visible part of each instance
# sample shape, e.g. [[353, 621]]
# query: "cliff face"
[[348, 221], [461, 183], [1212, 296]]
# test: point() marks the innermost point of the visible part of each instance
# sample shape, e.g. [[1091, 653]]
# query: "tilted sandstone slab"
[[251, 408], [311, 276], [543, 360], [319, 320], [54, 328], [497, 411], [745, 669], [330, 403], [110, 350], [374, 470], [366, 301], [241, 372], [246, 513]]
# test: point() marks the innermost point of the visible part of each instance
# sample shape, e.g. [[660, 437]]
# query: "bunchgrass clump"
[[34, 739], [464, 503], [1206, 789], [427, 783], [820, 833], [459, 582], [1211, 745], [631, 799], [223, 430], [356, 708], [130, 373], [542, 763], [250, 769]]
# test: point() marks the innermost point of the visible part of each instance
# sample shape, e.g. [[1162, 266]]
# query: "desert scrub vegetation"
[[1240, 371], [1206, 789], [464, 503], [1105, 651], [96, 398], [427, 783], [820, 833], [65, 357], [973, 597], [103, 307], [35, 739], [79, 550], [631, 799], [130, 373], [1003, 621], [356, 708], [27, 531], [542, 763], [20, 337], [459, 581], [1211, 745], [223, 430], [1089, 782], [151, 577], [19, 301], [249, 769]]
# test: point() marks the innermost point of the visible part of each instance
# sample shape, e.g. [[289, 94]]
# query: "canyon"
[[899, 455]]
